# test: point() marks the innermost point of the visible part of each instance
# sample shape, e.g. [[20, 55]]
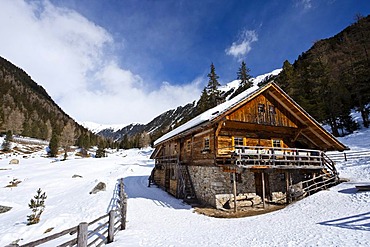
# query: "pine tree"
[[286, 78], [245, 80], [100, 152], [53, 145], [37, 205], [244, 77], [214, 95], [202, 104]]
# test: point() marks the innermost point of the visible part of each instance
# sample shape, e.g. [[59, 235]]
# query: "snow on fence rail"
[[348, 155], [84, 237]]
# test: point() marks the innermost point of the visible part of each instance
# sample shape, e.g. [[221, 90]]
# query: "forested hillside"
[[26, 108], [333, 78]]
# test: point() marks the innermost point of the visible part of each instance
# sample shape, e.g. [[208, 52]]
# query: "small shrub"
[[13, 183], [37, 205]]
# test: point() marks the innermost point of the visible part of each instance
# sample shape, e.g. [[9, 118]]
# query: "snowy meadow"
[[339, 216]]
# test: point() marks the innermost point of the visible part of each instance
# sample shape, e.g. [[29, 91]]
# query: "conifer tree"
[[100, 152], [53, 145], [37, 205], [202, 104], [214, 95], [244, 77]]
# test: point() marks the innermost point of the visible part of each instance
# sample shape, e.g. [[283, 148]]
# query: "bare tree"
[[67, 138], [15, 121]]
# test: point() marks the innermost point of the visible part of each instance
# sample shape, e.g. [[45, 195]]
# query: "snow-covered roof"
[[209, 115], [218, 110]]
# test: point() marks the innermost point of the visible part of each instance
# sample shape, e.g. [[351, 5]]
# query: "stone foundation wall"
[[210, 181]]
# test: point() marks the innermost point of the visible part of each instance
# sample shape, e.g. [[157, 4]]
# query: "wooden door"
[[167, 178], [258, 184]]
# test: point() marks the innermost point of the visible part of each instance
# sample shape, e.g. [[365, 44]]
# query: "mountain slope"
[[27, 109]]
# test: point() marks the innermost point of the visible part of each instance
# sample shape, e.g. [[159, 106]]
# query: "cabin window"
[[261, 113], [238, 141], [272, 113], [175, 148], [272, 110], [188, 145], [261, 108], [276, 143], [206, 143]]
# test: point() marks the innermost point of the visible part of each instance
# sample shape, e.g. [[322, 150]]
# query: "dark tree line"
[[333, 77]]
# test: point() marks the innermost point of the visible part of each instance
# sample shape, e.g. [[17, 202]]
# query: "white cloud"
[[68, 55], [243, 46]]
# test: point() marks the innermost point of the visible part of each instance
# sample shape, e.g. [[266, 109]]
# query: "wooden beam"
[[263, 189], [287, 184], [296, 136], [314, 143], [234, 191], [220, 124], [255, 127], [311, 119], [286, 107], [299, 118]]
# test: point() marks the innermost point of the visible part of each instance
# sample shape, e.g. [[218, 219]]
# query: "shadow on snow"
[[137, 187], [354, 222]]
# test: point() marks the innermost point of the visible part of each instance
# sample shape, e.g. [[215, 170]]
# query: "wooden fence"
[[348, 155], [108, 225]]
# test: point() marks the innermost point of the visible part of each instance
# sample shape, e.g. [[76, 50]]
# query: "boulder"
[[13, 162], [99, 187]]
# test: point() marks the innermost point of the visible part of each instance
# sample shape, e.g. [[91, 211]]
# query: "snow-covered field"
[[336, 217]]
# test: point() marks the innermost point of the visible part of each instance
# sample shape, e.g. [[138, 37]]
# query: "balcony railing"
[[246, 156]]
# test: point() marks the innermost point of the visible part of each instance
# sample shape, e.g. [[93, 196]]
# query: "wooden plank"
[[49, 238], [82, 234], [111, 226], [228, 169]]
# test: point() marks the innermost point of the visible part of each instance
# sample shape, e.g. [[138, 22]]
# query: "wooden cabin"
[[261, 144]]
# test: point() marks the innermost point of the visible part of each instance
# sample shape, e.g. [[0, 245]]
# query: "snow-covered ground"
[[336, 217]]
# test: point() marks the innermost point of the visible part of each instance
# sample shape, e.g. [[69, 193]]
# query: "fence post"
[[345, 156], [123, 211], [111, 226], [82, 234]]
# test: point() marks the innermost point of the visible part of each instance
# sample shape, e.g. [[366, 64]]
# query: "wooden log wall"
[[250, 113]]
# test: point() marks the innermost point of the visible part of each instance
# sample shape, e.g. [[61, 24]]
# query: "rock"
[[4, 209], [99, 187], [76, 176], [13, 162]]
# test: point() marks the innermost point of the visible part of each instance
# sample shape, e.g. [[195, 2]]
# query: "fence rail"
[[348, 155], [115, 221]]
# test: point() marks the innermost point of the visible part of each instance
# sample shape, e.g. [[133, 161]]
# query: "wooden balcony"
[[278, 158]]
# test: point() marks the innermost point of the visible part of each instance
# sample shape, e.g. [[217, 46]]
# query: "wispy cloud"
[[72, 58], [306, 4], [243, 46]]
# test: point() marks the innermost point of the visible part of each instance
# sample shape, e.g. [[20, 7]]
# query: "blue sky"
[[177, 40], [132, 60]]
